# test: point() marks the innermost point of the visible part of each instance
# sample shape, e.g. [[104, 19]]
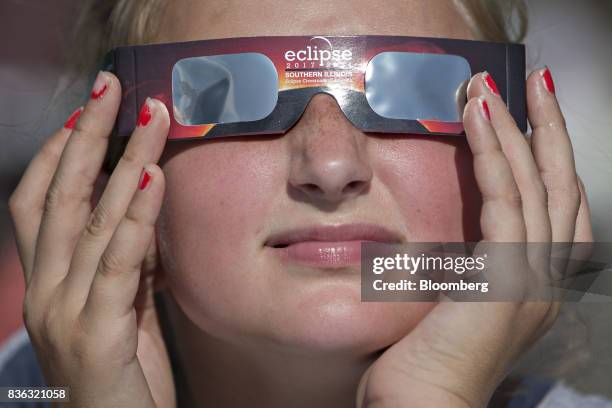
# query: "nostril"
[[353, 186], [312, 188]]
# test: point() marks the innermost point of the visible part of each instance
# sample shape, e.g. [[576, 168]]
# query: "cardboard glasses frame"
[[262, 85]]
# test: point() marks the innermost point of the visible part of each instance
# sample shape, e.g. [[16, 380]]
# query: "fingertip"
[[112, 79], [476, 86], [160, 107], [72, 119], [151, 178], [544, 109], [98, 116], [540, 84], [484, 108], [490, 84], [145, 179], [105, 81], [154, 114], [476, 112], [547, 80], [147, 201]]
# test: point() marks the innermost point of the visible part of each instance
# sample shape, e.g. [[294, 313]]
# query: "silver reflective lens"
[[224, 88], [407, 85]]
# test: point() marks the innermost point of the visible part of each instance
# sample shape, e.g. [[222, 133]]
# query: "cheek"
[[433, 183], [209, 226]]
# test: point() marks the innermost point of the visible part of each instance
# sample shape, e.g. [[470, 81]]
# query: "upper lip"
[[334, 233]]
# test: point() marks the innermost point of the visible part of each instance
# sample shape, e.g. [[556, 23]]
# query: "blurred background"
[[573, 38]]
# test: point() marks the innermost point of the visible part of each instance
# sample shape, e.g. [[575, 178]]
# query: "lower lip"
[[322, 254]]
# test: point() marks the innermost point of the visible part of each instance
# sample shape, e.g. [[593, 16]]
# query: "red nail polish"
[[145, 179], [548, 81], [490, 83], [145, 115], [73, 118], [485, 109], [97, 94], [100, 86]]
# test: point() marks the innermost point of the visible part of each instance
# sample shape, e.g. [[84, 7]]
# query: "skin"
[[91, 270]]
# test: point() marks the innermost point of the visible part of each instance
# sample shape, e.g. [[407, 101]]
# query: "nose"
[[329, 160]]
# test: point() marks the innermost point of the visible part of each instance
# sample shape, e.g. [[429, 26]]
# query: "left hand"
[[460, 352]]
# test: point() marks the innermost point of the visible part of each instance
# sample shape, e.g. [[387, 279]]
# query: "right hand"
[[459, 353], [90, 272]]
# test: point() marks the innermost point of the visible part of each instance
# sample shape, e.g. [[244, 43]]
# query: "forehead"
[[191, 20]]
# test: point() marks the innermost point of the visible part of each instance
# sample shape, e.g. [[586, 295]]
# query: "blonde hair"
[[103, 25], [504, 21]]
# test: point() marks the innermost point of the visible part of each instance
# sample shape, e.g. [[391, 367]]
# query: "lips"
[[328, 246]]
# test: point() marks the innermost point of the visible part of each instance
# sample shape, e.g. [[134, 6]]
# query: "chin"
[[302, 313], [333, 319]]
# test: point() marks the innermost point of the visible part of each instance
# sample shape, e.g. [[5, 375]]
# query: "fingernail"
[[145, 180], [145, 114], [100, 86], [73, 118], [490, 83], [484, 108], [548, 81]]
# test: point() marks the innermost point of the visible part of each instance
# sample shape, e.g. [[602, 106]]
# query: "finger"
[[584, 228], [526, 174], [28, 199], [501, 218], [582, 248], [518, 153], [145, 146], [554, 155], [117, 278], [68, 199]]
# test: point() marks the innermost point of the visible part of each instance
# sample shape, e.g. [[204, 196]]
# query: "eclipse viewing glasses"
[[262, 85]]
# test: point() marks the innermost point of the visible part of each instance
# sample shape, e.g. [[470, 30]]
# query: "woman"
[[248, 328]]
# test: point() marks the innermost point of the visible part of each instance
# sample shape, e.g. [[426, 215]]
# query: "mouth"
[[332, 247]]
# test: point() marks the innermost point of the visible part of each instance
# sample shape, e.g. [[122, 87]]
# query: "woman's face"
[[258, 236]]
